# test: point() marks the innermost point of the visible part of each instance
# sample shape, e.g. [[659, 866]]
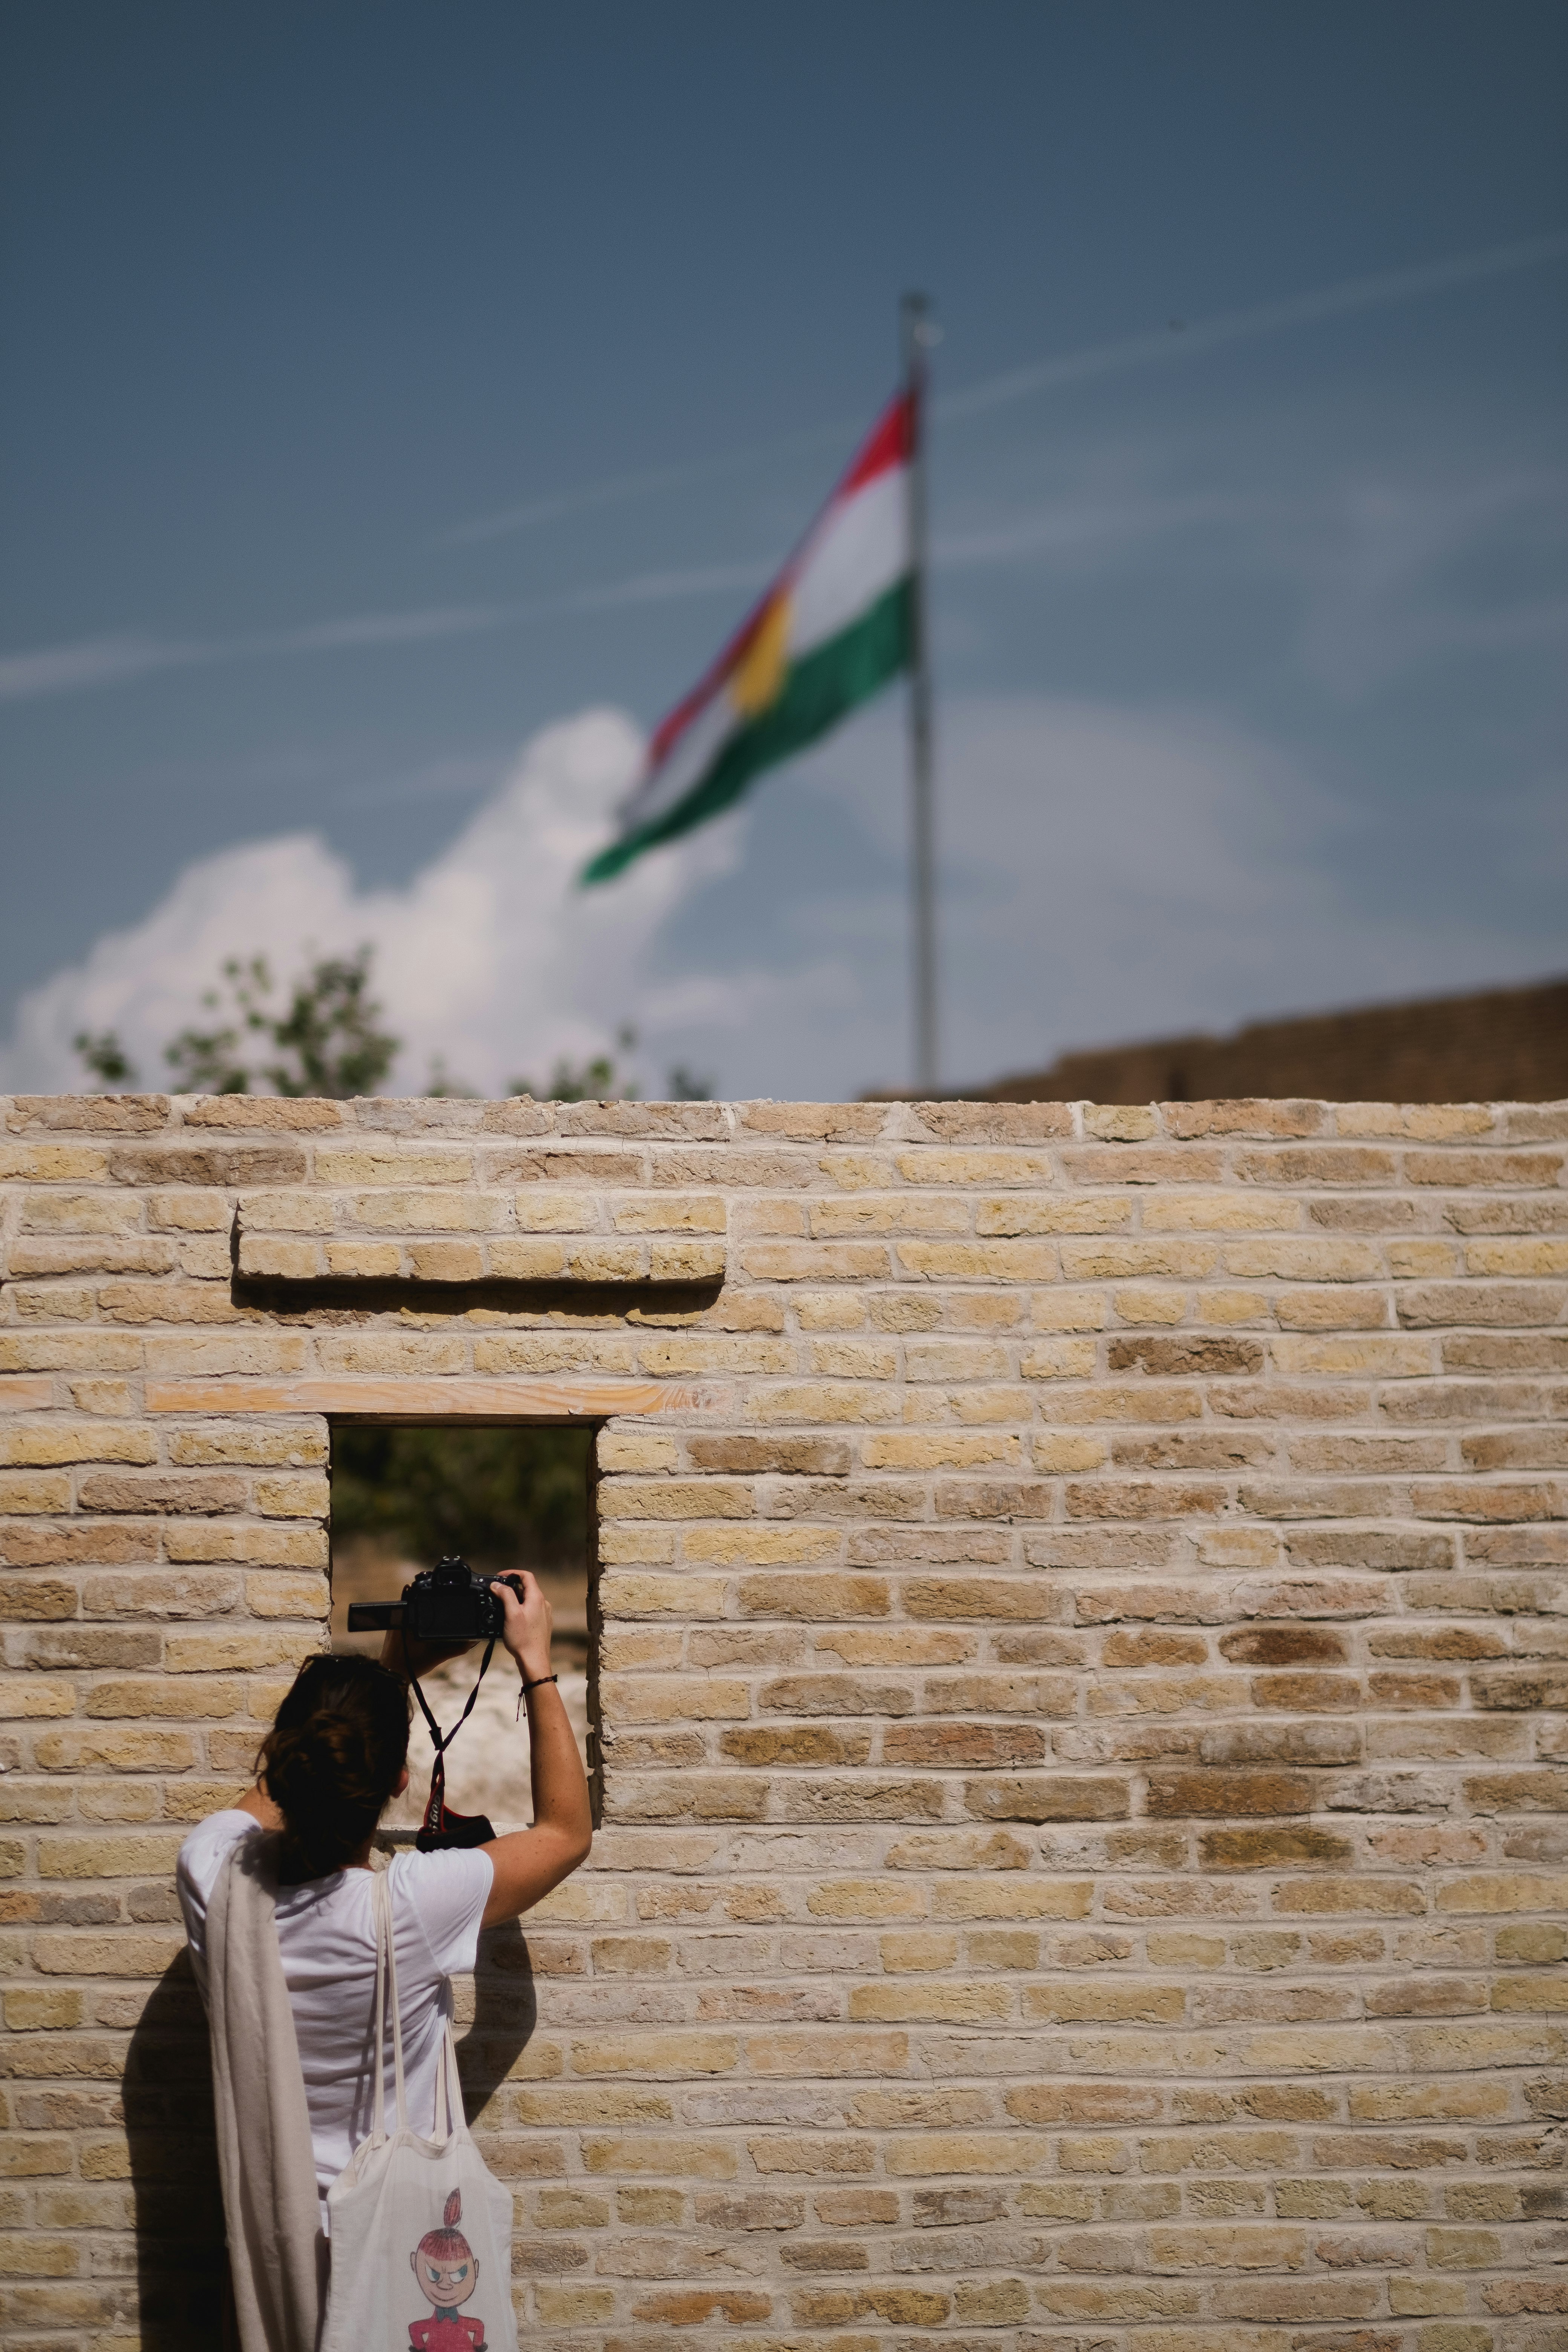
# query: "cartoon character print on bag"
[[443, 2263]]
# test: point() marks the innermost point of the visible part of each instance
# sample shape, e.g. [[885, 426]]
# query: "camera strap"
[[441, 1827]]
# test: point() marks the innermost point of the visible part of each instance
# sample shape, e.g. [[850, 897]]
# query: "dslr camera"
[[445, 1604]]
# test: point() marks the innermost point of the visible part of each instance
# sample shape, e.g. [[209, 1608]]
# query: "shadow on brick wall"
[[168, 2096], [505, 2014], [168, 2093]]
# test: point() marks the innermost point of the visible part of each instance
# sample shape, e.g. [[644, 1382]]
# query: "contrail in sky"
[[118, 660], [1383, 291]]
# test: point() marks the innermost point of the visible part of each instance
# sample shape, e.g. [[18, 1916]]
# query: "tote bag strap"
[[385, 1984], [449, 2114]]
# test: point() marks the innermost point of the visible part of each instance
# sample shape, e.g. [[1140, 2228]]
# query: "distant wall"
[[1082, 1699], [1507, 1044]]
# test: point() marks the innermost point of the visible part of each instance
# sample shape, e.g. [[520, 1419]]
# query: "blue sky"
[[383, 385]]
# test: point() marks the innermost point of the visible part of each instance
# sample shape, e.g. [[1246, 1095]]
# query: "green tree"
[[327, 1040], [105, 1058], [497, 1495], [603, 1079], [599, 1079]]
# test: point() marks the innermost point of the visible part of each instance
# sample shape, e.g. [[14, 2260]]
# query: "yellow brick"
[[916, 2155], [1371, 1355], [923, 1952], [937, 1449], [1517, 1256], [662, 1596], [1464, 2250], [64, 1438], [296, 1210], [1062, 1360], [121, 1857], [673, 2157], [620, 1448], [1046, 1212], [1229, 2247], [267, 1545], [1009, 1897], [1415, 1261], [982, 1167], [25, 1697], [572, 2306], [1225, 1305], [189, 1210], [691, 1261], [1142, 1303], [1056, 1451], [1504, 1891], [364, 1261], [944, 2003], [1110, 1261], [269, 1254], [655, 2052], [541, 1211], [30, 2008], [530, 1261], [304, 1494], [235, 1650], [1062, 1310], [53, 1163], [390, 1163], [26, 1491], [102, 1396], [979, 1261], [1119, 1122], [428, 1212], [81, 1212], [635, 1546], [675, 1498], [831, 1310], [1305, 1261], [1241, 1212], [1430, 1122], [837, 1402], [668, 1212], [866, 1898], [292, 1444]]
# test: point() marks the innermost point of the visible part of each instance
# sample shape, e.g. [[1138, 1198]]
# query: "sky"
[[399, 405]]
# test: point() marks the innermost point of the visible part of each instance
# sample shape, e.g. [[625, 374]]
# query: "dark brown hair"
[[332, 1758]]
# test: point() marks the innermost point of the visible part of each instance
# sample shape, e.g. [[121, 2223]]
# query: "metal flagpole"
[[922, 863]]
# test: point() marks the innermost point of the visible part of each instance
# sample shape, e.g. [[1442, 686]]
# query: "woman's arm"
[[529, 1863]]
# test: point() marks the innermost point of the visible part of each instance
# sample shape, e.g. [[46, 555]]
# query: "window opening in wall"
[[514, 1497]]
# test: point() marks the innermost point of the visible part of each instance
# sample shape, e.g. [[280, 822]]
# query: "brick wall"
[[1499, 1041], [1082, 1692]]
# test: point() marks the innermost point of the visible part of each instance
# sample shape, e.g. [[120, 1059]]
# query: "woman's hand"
[[526, 1632]]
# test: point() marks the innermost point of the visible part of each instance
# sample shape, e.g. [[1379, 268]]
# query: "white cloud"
[[490, 956], [1110, 874], [1105, 873]]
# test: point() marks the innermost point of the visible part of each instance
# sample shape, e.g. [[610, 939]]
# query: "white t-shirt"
[[326, 1933]]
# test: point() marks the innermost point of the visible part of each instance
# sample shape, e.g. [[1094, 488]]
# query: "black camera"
[[445, 1604]]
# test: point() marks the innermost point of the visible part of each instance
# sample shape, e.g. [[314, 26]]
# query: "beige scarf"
[[276, 2252]]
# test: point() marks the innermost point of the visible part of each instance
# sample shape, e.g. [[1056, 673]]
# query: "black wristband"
[[539, 1681]]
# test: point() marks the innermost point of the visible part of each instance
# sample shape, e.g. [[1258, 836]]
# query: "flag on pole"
[[834, 626]]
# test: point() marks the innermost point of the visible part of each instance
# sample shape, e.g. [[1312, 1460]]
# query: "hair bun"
[[334, 1757]]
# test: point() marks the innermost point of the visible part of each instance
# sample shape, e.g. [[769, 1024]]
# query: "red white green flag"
[[836, 625]]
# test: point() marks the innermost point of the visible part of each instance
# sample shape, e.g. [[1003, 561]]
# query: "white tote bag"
[[421, 2233]]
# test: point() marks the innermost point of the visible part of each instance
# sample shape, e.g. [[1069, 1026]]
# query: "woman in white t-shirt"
[[333, 1760]]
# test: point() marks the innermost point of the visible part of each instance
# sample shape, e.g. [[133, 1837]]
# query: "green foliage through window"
[[502, 1498]]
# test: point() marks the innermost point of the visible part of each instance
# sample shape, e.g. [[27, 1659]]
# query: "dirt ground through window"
[[488, 1770]]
